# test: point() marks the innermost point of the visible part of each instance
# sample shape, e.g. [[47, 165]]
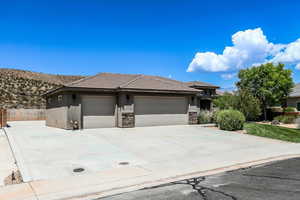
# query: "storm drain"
[[78, 170], [123, 163]]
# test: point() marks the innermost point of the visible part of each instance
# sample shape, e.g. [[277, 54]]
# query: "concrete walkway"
[[7, 163], [47, 156]]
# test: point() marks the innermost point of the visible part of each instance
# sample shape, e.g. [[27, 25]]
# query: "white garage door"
[[159, 110], [98, 111]]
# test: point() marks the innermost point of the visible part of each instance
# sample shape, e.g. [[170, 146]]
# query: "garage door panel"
[[98, 121], [160, 105], [161, 120], [98, 111], [158, 110]]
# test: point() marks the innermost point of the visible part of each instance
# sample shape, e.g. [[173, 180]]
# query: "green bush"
[[286, 119], [289, 109], [214, 116], [230, 120], [205, 117]]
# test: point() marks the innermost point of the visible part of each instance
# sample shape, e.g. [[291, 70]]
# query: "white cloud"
[[228, 76], [250, 47], [290, 54]]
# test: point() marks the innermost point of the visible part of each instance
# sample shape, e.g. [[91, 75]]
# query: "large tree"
[[241, 100], [269, 83]]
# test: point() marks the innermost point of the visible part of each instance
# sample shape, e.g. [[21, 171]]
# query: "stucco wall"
[[74, 109], [57, 111]]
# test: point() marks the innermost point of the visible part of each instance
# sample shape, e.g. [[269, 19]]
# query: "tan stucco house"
[[294, 98], [126, 100]]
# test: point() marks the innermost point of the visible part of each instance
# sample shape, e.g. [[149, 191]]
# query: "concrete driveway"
[[50, 153], [7, 163]]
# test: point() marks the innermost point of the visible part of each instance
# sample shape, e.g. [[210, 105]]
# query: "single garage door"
[[160, 110], [98, 111]]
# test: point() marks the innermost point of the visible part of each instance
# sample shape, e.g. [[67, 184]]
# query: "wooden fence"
[[25, 114], [3, 118]]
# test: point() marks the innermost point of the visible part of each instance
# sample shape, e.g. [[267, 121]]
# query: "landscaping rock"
[[14, 178]]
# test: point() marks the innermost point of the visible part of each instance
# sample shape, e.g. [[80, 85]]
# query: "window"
[[59, 98], [298, 106]]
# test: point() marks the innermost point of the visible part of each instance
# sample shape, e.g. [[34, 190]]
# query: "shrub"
[[205, 117], [290, 109], [214, 116], [230, 120], [286, 119]]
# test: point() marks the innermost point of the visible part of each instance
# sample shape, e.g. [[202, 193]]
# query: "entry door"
[[98, 111], [160, 110]]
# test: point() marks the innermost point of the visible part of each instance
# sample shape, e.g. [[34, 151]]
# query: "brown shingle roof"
[[132, 82], [200, 84]]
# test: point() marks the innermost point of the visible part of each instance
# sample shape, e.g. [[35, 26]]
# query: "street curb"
[[149, 184]]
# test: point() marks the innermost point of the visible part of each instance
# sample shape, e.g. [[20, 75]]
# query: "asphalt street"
[[274, 181]]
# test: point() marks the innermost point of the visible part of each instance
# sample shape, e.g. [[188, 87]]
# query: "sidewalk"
[[106, 183]]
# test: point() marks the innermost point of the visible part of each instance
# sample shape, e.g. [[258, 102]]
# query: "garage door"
[[159, 110], [98, 111]]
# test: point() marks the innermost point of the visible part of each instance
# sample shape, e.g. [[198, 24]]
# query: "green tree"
[[243, 101], [248, 105], [226, 101], [269, 83]]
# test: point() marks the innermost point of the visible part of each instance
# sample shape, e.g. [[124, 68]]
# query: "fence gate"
[[3, 118]]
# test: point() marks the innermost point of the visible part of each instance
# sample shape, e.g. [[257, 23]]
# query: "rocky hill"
[[23, 89]]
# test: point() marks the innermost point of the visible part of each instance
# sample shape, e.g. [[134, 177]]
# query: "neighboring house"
[[124, 100], [206, 94], [294, 98]]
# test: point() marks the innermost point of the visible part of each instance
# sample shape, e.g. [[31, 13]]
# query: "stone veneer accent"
[[128, 120], [193, 118]]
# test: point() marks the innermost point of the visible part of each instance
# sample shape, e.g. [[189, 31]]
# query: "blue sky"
[[149, 37]]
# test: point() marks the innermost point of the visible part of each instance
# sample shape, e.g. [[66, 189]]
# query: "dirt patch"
[[14, 178]]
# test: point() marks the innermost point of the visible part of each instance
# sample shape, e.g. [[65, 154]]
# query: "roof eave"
[[157, 91], [78, 89], [198, 86]]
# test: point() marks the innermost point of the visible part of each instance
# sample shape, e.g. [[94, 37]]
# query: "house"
[[294, 98], [125, 100], [206, 95]]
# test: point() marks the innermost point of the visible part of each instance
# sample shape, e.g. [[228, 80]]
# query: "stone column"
[[126, 118], [193, 110]]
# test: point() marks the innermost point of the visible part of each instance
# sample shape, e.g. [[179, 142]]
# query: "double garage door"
[[160, 110], [98, 111]]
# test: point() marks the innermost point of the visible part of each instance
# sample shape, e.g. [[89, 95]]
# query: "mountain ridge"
[[24, 88]]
